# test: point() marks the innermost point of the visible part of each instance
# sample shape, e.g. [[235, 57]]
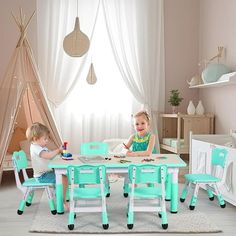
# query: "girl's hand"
[[130, 154]]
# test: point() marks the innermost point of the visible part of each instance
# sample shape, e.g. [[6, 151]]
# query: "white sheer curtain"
[[59, 72], [83, 112], [136, 34]]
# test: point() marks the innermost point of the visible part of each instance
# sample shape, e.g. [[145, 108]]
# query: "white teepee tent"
[[21, 92]]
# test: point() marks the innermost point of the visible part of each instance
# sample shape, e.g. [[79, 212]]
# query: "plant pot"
[[174, 109]]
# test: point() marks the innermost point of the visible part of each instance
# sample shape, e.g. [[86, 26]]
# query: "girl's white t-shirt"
[[39, 164]]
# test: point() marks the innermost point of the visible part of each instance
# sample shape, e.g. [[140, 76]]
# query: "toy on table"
[[65, 154]]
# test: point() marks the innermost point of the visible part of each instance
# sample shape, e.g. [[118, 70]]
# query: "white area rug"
[[185, 221]]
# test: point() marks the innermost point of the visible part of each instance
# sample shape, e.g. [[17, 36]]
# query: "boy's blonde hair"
[[144, 114], [36, 131]]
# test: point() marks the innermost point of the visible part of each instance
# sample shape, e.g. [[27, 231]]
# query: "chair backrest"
[[219, 156], [218, 162], [86, 174], [93, 148], [20, 160], [20, 163], [147, 173]]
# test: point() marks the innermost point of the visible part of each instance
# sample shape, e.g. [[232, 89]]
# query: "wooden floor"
[[12, 224]]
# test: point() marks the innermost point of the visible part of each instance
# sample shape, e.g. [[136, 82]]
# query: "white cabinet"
[[200, 160]]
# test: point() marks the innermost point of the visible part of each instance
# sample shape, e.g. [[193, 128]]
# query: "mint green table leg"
[[174, 191], [59, 198], [59, 192], [174, 197], [168, 187]]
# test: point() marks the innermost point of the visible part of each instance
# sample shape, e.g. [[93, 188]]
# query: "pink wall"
[[218, 28], [181, 48], [9, 32]]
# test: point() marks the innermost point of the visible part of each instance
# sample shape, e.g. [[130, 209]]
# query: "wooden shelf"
[[226, 79], [176, 128], [183, 115]]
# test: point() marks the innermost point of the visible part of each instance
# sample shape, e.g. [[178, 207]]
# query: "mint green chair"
[[92, 149], [93, 182], [218, 161], [147, 182], [28, 185]]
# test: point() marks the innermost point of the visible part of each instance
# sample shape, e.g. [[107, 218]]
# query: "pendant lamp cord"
[[77, 9]]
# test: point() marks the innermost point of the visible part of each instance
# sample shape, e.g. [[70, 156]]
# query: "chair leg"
[[168, 187], [51, 201], [184, 192], [71, 216], [107, 187], [130, 220], [219, 196], [67, 194], [105, 224], [210, 193], [164, 221], [30, 198], [21, 207], [23, 201], [71, 220], [194, 198], [126, 186], [104, 213], [130, 214]]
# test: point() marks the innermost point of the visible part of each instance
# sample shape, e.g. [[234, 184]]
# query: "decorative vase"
[[200, 109], [191, 108], [174, 109]]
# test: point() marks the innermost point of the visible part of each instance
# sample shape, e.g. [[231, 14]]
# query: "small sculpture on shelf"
[[175, 100], [200, 109], [196, 80], [191, 108], [210, 72]]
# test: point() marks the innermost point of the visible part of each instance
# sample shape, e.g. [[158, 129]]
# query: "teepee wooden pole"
[[23, 28], [27, 24], [16, 20]]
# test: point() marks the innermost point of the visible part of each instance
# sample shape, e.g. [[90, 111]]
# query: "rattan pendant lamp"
[[91, 77], [76, 43]]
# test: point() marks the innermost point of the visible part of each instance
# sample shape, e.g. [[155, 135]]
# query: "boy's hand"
[[60, 149]]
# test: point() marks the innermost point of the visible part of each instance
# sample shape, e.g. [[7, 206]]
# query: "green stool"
[[87, 183], [92, 149], [147, 182], [218, 160], [28, 185]]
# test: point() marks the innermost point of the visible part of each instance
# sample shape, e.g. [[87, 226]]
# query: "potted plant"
[[175, 99]]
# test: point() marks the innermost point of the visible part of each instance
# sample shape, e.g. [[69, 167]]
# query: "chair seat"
[[201, 178], [32, 182], [88, 193], [146, 192]]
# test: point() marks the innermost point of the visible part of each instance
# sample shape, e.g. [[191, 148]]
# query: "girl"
[[142, 142]]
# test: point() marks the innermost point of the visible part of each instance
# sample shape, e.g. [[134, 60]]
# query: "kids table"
[[120, 165]]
